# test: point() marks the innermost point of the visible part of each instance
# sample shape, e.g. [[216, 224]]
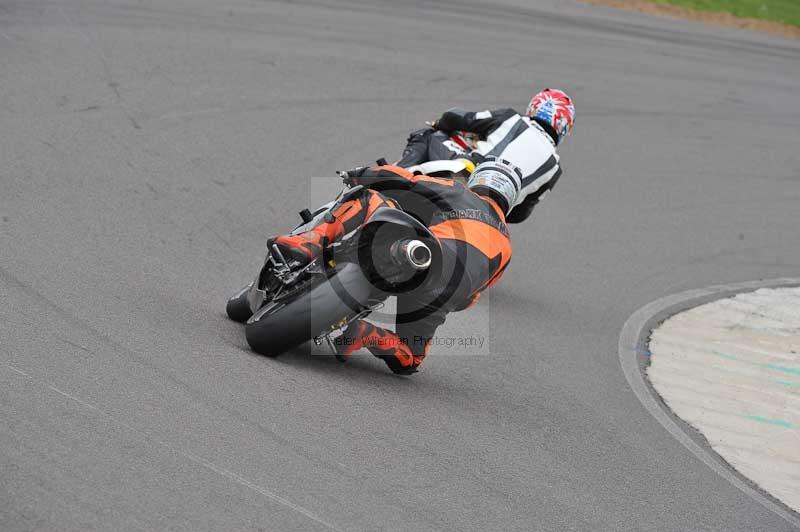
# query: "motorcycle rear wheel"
[[283, 325]]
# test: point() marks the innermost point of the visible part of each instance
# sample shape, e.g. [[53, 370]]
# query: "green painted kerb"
[[776, 422], [788, 384], [791, 370], [785, 369]]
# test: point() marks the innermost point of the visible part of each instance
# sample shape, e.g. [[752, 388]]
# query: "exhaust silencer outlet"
[[411, 253]]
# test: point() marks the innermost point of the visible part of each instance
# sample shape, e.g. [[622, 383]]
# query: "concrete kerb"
[[634, 358]]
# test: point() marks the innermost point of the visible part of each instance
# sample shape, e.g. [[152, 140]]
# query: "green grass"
[[786, 11]]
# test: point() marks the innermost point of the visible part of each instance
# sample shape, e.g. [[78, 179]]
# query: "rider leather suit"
[[476, 248], [528, 144]]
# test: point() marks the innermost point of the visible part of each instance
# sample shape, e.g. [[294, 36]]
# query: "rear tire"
[[280, 326], [238, 308]]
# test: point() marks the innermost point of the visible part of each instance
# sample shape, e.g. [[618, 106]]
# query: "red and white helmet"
[[554, 108]]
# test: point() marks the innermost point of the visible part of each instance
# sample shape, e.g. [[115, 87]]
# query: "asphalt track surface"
[[149, 147]]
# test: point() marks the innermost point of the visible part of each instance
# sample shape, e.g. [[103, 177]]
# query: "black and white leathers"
[[523, 142]]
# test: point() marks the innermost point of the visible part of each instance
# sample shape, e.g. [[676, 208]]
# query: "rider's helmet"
[[554, 111], [499, 180]]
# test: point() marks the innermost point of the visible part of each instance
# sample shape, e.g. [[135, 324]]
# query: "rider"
[[469, 222], [528, 142], [429, 144]]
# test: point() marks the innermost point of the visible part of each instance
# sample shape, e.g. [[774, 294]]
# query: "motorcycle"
[[288, 304]]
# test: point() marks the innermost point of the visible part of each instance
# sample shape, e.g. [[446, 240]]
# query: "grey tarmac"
[[149, 147]]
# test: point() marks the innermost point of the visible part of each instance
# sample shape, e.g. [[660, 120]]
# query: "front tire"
[[238, 308]]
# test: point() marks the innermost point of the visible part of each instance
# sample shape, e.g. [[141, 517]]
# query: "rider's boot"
[[305, 247], [383, 343]]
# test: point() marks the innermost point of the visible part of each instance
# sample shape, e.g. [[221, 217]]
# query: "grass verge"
[[779, 17], [785, 11]]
